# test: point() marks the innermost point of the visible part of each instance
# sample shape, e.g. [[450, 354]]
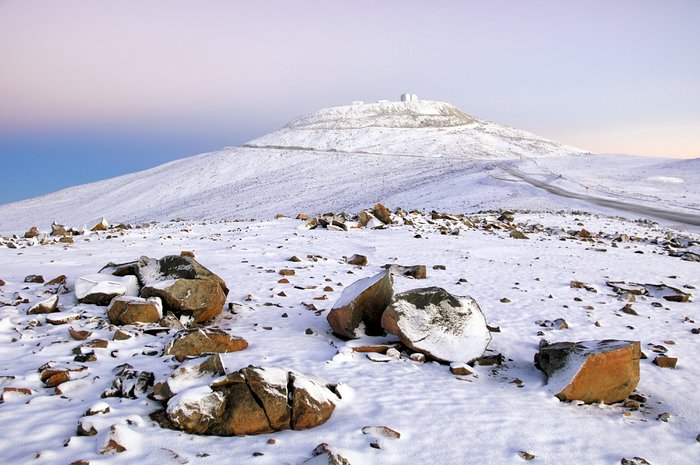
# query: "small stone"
[[629, 310], [45, 306], [294, 259], [121, 335], [287, 272], [79, 335], [358, 260], [505, 300], [665, 362], [381, 431], [634, 461], [272, 441], [417, 357], [526, 455], [460, 370], [34, 278], [664, 417]]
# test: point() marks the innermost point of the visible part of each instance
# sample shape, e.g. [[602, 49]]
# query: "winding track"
[[670, 215]]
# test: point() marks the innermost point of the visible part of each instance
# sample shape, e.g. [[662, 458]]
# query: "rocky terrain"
[[382, 336]]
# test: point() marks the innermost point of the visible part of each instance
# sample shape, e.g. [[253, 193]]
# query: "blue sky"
[[90, 90]]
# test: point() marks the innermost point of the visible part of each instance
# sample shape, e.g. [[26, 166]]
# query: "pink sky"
[[618, 77]]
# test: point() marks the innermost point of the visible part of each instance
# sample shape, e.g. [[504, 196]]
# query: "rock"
[[662, 291], [432, 321], [287, 272], [54, 374], [460, 369], [101, 226], [366, 218], [129, 383], [57, 281], [2, 283], [665, 362], [62, 318], [34, 278], [629, 310], [582, 285], [129, 310], [195, 342], [58, 230], [622, 287], [591, 371], [634, 461], [415, 271], [381, 431], [526, 455], [516, 234], [664, 417], [363, 301], [32, 233], [66, 240], [45, 306], [358, 260], [184, 286], [382, 213], [100, 289], [323, 455], [254, 400], [79, 335], [558, 324]]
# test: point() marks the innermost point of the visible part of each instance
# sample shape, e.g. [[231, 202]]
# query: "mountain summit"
[[417, 154], [413, 128]]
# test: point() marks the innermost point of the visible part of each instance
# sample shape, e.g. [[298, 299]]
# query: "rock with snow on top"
[[591, 371], [195, 342], [45, 306], [414, 271], [363, 301], [100, 289], [324, 455], [129, 383], [438, 324]]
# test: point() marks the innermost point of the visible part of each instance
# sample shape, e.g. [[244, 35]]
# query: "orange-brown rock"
[[196, 342], [203, 299], [79, 335], [363, 301], [129, 310], [591, 371], [382, 213]]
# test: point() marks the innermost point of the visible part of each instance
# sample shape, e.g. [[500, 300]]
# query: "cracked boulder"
[[591, 371], [196, 342], [364, 301], [254, 400], [438, 324]]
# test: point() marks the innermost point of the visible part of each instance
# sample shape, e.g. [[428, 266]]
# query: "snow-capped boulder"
[[184, 285], [591, 371], [102, 225], [253, 400], [413, 271], [438, 324], [45, 306], [100, 289], [364, 301], [129, 310], [195, 342], [381, 213]]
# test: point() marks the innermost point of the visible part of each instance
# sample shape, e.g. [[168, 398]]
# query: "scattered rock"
[[516, 234], [591, 371], [323, 455], [129, 383], [62, 318], [432, 321], [460, 369], [34, 278], [634, 461], [665, 362], [382, 213], [32, 233], [102, 225], [415, 271], [526, 455], [54, 374], [381, 431], [629, 310], [45, 306], [196, 342], [664, 417], [582, 285], [362, 302], [558, 324], [358, 260], [129, 310]]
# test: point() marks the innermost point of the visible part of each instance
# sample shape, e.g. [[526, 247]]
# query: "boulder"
[[32, 233], [415, 271], [195, 342], [364, 301], [129, 383], [129, 310], [254, 400], [358, 260], [49, 305], [100, 289], [382, 213], [102, 225], [591, 371], [438, 324]]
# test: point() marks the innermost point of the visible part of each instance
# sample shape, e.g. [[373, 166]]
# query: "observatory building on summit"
[[409, 98]]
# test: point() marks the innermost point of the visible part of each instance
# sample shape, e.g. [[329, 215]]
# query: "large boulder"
[[100, 289], [364, 301], [183, 284], [438, 324], [196, 342], [591, 371], [129, 310], [254, 400]]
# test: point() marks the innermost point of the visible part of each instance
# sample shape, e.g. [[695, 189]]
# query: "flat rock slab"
[[100, 289], [438, 324], [195, 342], [364, 301], [591, 371]]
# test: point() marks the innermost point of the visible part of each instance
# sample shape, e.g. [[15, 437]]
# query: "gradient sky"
[[92, 89]]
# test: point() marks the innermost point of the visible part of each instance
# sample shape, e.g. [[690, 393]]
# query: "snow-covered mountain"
[[417, 128], [423, 155]]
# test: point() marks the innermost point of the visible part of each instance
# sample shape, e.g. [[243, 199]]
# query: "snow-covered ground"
[[489, 417]]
